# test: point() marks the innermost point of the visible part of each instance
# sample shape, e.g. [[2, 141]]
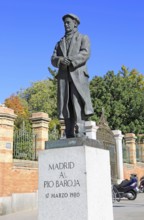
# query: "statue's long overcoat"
[[78, 53]]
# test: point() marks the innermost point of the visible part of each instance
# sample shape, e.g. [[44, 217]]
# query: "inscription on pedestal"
[[63, 181]]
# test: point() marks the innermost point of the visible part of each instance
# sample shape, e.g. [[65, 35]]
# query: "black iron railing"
[[24, 145]]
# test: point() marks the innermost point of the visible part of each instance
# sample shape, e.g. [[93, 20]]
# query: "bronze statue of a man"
[[70, 56]]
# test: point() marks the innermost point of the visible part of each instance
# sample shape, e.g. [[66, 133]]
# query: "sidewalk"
[[25, 215], [123, 210]]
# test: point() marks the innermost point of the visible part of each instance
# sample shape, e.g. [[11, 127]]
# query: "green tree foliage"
[[122, 96], [41, 97]]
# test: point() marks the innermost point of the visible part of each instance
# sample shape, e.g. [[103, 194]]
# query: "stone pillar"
[[140, 147], [40, 125], [142, 152], [91, 129], [119, 152], [62, 127], [7, 118], [131, 145]]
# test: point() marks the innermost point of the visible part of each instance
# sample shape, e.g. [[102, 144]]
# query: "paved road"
[[124, 210], [130, 210]]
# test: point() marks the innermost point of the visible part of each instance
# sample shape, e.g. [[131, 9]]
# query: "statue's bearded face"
[[69, 24]]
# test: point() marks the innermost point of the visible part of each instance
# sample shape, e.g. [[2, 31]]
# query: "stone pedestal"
[[74, 181]]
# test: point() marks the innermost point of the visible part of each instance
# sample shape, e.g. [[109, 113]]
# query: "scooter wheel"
[[134, 195]]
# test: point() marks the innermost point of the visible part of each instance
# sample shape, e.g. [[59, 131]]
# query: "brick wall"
[[17, 179], [137, 168]]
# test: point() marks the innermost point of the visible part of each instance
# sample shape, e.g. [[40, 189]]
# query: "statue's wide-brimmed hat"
[[75, 17]]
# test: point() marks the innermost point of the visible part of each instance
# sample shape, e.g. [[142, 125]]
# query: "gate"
[[126, 152], [24, 145], [139, 148], [106, 137]]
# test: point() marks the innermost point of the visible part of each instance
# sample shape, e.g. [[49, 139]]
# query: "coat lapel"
[[73, 41], [63, 46]]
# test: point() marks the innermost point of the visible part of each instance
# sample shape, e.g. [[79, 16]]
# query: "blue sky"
[[30, 29]]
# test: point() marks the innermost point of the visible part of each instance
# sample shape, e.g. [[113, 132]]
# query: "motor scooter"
[[141, 185], [127, 188]]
